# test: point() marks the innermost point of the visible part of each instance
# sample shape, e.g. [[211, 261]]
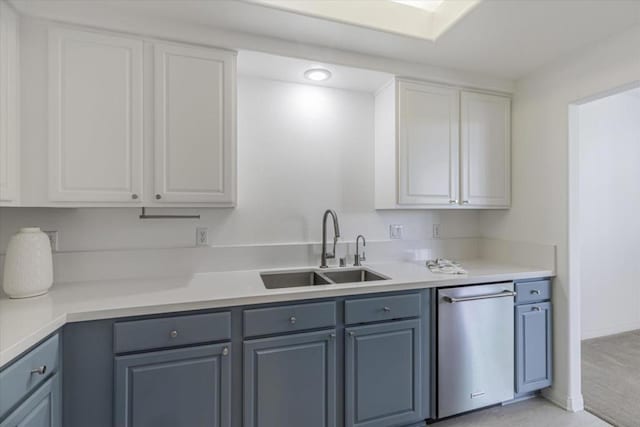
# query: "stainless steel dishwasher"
[[475, 347]]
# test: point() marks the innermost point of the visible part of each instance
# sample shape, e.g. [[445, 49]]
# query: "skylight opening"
[[428, 5], [423, 19]]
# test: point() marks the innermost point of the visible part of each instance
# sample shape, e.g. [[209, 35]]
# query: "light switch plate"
[[395, 231], [436, 231]]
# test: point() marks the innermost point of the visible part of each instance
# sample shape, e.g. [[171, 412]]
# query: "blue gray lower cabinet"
[[383, 374], [169, 388], [274, 377], [533, 347], [290, 381], [41, 409]]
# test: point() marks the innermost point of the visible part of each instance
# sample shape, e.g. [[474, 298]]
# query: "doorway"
[[605, 249]]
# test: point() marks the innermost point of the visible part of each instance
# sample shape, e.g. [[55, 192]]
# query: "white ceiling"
[[275, 67], [502, 38]]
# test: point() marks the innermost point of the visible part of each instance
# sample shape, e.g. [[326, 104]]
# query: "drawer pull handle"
[[292, 320], [225, 351], [40, 370], [173, 334], [535, 308], [386, 309], [535, 292]]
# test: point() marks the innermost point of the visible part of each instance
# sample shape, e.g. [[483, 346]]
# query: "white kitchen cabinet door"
[[485, 150], [95, 117], [9, 121], [194, 125], [428, 136]]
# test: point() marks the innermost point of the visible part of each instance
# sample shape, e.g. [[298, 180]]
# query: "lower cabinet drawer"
[[149, 334], [528, 292], [29, 372], [174, 388], [289, 318], [42, 409], [364, 310]]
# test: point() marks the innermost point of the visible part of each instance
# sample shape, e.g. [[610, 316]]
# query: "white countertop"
[[24, 323]]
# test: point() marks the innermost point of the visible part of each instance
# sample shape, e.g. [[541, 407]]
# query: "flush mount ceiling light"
[[317, 74]]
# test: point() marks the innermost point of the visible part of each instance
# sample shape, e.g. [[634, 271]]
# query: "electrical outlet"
[[436, 231], [53, 239], [202, 236], [395, 231]]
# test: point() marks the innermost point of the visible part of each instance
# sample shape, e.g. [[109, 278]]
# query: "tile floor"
[[534, 412], [611, 378]]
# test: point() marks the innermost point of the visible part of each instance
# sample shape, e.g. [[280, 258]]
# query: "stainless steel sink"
[[293, 279], [290, 279], [352, 276]]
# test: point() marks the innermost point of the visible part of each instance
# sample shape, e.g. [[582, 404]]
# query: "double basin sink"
[[291, 279]]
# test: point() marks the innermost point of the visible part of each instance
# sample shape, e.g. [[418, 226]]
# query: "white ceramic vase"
[[28, 267]]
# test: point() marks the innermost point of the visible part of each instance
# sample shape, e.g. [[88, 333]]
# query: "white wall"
[[540, 179], [301, 149], [609, 145]]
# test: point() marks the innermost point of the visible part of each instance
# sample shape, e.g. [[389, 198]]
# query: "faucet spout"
[[357, 256], [336, 235]]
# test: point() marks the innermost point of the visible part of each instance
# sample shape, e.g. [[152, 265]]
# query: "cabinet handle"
[[332, 336], [465, 202], [351, 333], [158, 197], [41, 370], [535, 308], [452, 202], [225, 351], [386, 309], [173, 334], [134, 196], [535, 292], [292, 320]]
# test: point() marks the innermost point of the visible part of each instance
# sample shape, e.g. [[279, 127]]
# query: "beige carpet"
[[611, 378]]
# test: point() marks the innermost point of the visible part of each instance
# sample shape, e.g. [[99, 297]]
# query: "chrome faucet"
[[336, 235], [357, 258]]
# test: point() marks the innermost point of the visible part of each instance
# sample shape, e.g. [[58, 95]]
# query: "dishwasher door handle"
[[502, 294]]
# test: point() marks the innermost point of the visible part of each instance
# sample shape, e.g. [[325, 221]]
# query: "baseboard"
[[522, 398], [568, 403]]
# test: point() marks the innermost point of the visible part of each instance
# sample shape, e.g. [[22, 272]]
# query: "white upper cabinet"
[[139, 122], [428, 143], [194, 125], [438, 147], [9, 107], [95, 117], [485, 150]]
